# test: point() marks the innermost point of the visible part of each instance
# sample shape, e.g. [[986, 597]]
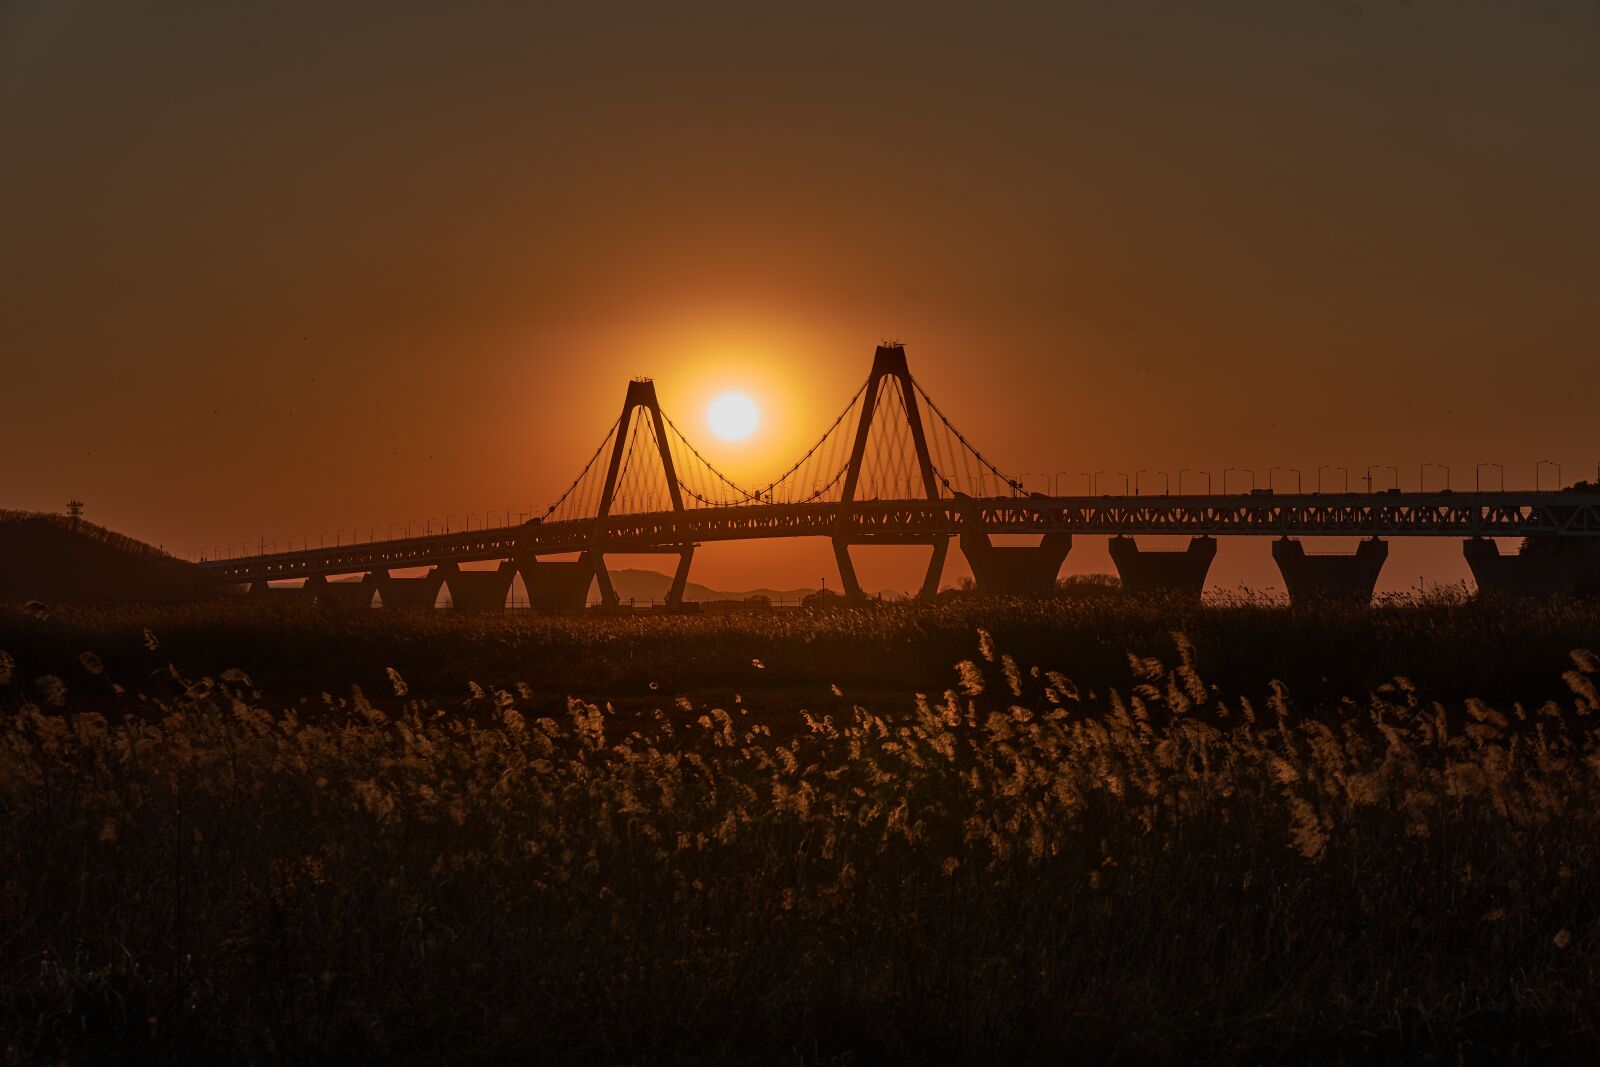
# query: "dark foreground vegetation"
[[1103, 833]]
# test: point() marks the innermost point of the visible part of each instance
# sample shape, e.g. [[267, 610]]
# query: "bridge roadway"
[[1468, 515]]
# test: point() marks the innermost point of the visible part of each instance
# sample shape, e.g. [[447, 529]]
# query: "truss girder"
[[1459, 515]]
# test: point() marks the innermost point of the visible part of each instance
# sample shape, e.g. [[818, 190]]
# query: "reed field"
[[975, 830]]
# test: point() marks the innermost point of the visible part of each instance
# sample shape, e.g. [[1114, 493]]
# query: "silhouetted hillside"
[[51, 558]]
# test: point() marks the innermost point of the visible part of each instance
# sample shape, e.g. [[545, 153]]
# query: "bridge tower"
[[889, 370], [640, 402]]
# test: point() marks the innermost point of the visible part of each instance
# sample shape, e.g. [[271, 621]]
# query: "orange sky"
[[282, 271]]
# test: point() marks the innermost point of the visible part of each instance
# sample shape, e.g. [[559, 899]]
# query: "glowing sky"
[[294, 269]]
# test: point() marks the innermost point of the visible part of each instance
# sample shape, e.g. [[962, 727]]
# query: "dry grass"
[[1022, 865]]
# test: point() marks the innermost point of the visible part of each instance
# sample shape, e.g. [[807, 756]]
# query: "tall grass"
[[1014, 868], [1452, 650]]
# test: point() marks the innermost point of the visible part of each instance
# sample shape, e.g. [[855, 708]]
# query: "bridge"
[[893, 469]]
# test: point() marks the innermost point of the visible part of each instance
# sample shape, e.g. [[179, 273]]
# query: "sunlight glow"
[[733, 416]]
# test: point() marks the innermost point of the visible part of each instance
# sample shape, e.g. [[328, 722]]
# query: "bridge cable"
[[587, 467]]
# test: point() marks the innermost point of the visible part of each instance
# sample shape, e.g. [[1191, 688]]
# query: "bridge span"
[[879, 477]]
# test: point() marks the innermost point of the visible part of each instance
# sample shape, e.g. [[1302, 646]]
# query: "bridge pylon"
[[640, 402], [889, 370]]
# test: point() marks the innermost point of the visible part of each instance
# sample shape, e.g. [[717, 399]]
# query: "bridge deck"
[[1440, 514]]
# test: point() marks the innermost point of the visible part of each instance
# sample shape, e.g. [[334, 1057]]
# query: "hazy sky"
[[306, 267]]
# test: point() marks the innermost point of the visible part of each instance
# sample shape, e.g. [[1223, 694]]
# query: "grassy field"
[[971, 831]]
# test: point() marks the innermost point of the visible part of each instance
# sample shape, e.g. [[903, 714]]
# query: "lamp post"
[[1538, 469], [1166, 483], [1136, 474], [1296, 472], [1394, 471], [1124, 478], [1422, 470], [1225, 472], [1477, 475], [1056, 487]]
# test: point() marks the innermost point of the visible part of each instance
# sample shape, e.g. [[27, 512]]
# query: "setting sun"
[[733, 416]]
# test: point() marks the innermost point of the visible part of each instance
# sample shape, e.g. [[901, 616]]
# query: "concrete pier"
[[1551, 566], [478, 591], [1310, 578], [1014, 569], [341, 594], [263, 591], [410, 594], [557, 586], [1156, 572]]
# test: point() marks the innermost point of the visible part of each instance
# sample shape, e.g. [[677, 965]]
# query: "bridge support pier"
[[262, 590], [557, 586], [1543, 567], [478, 591], [1310, 578], [1156, 572], [408, 594], [1014, 569], [340, 594]]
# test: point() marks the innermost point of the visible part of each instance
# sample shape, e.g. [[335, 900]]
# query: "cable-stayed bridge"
[[893, 469]]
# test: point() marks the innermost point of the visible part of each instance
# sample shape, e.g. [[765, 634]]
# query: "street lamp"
[[1422, 470], [1477, 475], [1136, 479], [1056, 487], [1538, 469], [1166, 483], [1296, 472], [1124, 478], [1246, 470]]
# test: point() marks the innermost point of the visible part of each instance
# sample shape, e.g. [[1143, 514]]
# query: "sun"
[[733, 416]]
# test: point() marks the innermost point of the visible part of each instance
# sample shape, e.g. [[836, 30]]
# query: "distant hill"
[[53, 558]]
